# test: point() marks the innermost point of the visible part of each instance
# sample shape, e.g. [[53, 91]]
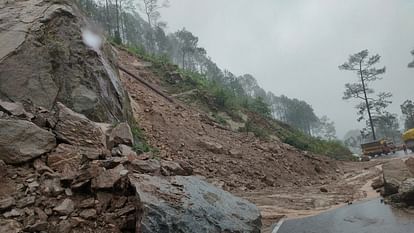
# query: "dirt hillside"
[[232, 160]]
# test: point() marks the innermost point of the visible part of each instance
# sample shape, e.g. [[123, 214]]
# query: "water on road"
[[365, 217]]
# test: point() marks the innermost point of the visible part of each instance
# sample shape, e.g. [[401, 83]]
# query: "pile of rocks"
[[65, 173], [397, 182]]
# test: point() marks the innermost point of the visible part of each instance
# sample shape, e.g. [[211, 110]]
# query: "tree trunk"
[[366, 102]]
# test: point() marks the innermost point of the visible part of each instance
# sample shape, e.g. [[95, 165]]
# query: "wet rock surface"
[[188, 204], [43, 59], [394, 173]]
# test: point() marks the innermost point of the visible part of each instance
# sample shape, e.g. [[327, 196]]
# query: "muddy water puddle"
[[371, 216]]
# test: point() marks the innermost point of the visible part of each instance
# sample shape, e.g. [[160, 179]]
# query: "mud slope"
[[232, 160]]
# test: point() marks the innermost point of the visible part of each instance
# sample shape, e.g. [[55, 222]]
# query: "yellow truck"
[[408, 138], [378, 147]]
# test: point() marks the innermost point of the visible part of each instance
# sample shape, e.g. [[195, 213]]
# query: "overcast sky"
[[294, 47]]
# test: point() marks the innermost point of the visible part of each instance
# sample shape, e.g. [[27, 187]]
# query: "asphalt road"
[[398, 154], [364, 217]]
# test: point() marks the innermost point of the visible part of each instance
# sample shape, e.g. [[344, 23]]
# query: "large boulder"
[[75, 129], [406, 191], [120, 134], [188, 204], [46, 56], [394, 173], [21, 141]]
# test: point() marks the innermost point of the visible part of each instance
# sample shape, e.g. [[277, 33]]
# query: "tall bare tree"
[[363, 65], [151, 9]]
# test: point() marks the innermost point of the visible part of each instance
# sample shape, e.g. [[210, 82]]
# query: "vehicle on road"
[[378, 147], [408, 138]]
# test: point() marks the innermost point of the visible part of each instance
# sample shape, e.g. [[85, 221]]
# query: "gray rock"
[[123, 150], [171, 168], [212, 146], [7, 203], [146, 166], [188, 204], [108, 178], [52, 187], [88, 214], [64, 68], [120, 134], [13, 213], [87, 203], [26, 201], [21, 141], [15, 109], [394, 173], [406, 191], [10, 226], [76, 129], [66, 207], [37, 227], [377, 183]]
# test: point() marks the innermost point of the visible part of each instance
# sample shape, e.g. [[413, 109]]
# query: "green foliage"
[[219, 119], [258, 131], [140, 144], [260, 107]]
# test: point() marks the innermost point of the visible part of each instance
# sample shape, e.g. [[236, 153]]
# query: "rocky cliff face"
[[49, 53]]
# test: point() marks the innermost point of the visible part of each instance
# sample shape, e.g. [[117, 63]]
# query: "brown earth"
[[279, 179]]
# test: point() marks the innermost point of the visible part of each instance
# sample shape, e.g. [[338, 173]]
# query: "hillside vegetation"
[[190, 74], [250, 114]]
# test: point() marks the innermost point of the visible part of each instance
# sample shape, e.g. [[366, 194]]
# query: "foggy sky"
[[294, 47]]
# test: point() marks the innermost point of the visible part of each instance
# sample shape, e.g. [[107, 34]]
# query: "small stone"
[[26, 201], [41, 214], [37, 227], [68, 192], [52, 187], [48, 211], [30, 180], [66, 207], [7, 203], [13, 213], [88, 214], [123, 173], [33, 185], [323, 189], [65, 226], [146, 166], [10, 226], [87, 203]]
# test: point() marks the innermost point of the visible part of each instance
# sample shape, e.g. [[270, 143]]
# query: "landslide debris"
[[80, 186], [234, 161]]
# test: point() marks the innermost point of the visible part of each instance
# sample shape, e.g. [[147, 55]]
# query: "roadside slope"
[[232, 160]]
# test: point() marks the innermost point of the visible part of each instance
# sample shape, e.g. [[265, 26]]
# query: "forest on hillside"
[[137, 24]]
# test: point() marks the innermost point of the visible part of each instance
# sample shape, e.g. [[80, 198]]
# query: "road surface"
[[365, 217]]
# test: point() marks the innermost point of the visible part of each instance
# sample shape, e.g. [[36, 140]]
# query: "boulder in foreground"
[[188, 204], [21, 141]]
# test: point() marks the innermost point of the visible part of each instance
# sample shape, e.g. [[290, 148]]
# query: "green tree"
[[363, 65], [407, 109], [387, 126], [325, 128]]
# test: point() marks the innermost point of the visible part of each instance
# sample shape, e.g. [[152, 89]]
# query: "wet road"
[[398, 154], [364, 217]]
